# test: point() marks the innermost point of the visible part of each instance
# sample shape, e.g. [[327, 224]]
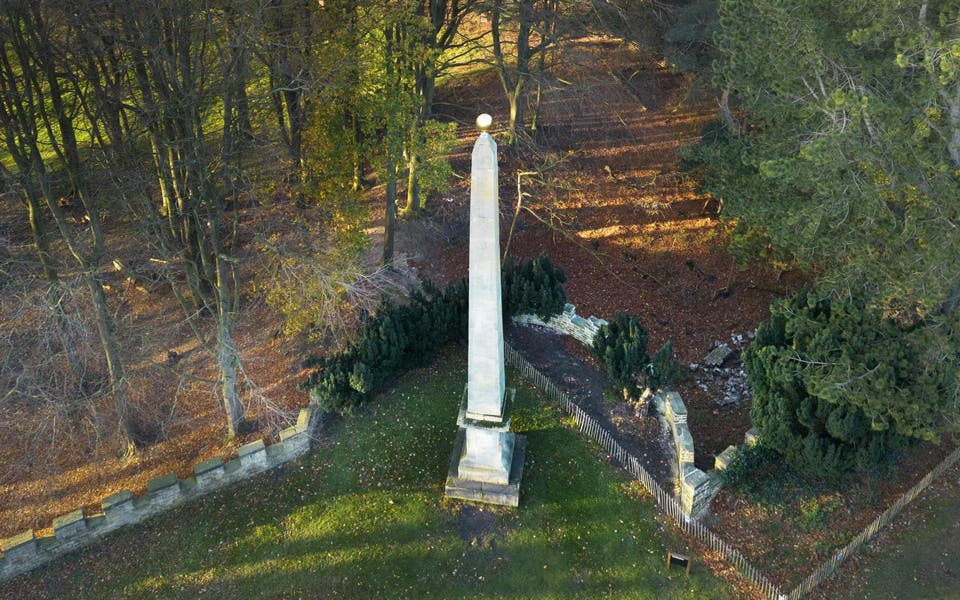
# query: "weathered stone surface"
[[253, 456], [483, 459], [303, 420], [163, 492], [723, 460], [159, 484], [487, 455], [188, 487], [477, 491], [231, 469], [209, 473], [70, 524], [567, 322], [715, 357], [211, 464], [751, 437], [684, 441], [18, 543], [675, 410], [486, 379], [95, 522], [25, 552], [117, 501], [697, 489], [294, 441]]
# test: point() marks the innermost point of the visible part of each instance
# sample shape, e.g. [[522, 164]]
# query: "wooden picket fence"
[[830, 566], [667, 504]]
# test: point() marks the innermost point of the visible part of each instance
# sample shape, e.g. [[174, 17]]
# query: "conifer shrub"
[[663, 368], [761, 475], [533, 286], [838, 386], [398, 337], [621, 347]]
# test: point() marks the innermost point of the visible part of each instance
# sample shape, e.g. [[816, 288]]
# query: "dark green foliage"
[[689, 41], [331, 382], [838, 387], [533, 286], [740, 471], [846, 153], [760, 474], [662, 368], [621, 346], [399, 337]]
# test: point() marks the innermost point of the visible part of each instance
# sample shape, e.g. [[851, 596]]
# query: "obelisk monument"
[[487, 460]]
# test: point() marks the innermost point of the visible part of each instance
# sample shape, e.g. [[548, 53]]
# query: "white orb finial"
[[484, 122]]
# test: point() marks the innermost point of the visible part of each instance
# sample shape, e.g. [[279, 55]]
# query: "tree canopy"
[[842, 156], [837, 386], [848, 152]]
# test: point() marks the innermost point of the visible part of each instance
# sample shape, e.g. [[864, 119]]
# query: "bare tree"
[[521, 30], [187, 57], [37, 112]]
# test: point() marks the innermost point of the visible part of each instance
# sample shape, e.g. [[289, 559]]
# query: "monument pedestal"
[[487, 460], [462, 484], [487, 455]]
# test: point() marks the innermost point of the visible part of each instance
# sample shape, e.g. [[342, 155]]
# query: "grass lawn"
[[362, 516]]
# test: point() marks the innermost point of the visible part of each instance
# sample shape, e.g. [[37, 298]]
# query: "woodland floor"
[[608, 204]]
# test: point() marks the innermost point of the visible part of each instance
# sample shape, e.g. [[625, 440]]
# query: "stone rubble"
[[721, 372]]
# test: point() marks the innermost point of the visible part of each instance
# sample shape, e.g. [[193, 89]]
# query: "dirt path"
[[557, 357]]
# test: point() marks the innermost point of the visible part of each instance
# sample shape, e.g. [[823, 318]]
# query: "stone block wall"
[[697, 488], [26, 551], [567, 322]]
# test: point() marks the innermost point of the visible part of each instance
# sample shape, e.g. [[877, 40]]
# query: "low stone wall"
[[697, 488], [567, 322], [26, 551]]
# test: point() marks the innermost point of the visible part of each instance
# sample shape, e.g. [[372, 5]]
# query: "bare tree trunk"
[[413, 185], [228, 361], [40, 238], [115, 370], [390, 219], [195, 174], [726, 115], [33, 48]]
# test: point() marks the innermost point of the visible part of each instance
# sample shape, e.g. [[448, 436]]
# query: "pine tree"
[[837, 386]]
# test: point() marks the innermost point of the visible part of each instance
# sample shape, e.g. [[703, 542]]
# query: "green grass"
[[363, 516]]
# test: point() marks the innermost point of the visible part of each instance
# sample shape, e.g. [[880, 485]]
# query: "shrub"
[[662, 369], [533, 286], [401, 336], [762, 476], [621, 347], [837, 386]]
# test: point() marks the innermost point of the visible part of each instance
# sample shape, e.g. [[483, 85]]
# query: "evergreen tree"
[[621, 346], [402, 336], [848, 147], [838, 386]]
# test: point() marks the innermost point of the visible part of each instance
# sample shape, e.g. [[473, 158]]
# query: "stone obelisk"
[[487, 460]]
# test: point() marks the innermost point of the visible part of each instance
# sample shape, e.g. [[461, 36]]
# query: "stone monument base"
[[480, 491]]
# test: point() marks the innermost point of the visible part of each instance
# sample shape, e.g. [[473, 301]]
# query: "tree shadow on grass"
[[366, 518]]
